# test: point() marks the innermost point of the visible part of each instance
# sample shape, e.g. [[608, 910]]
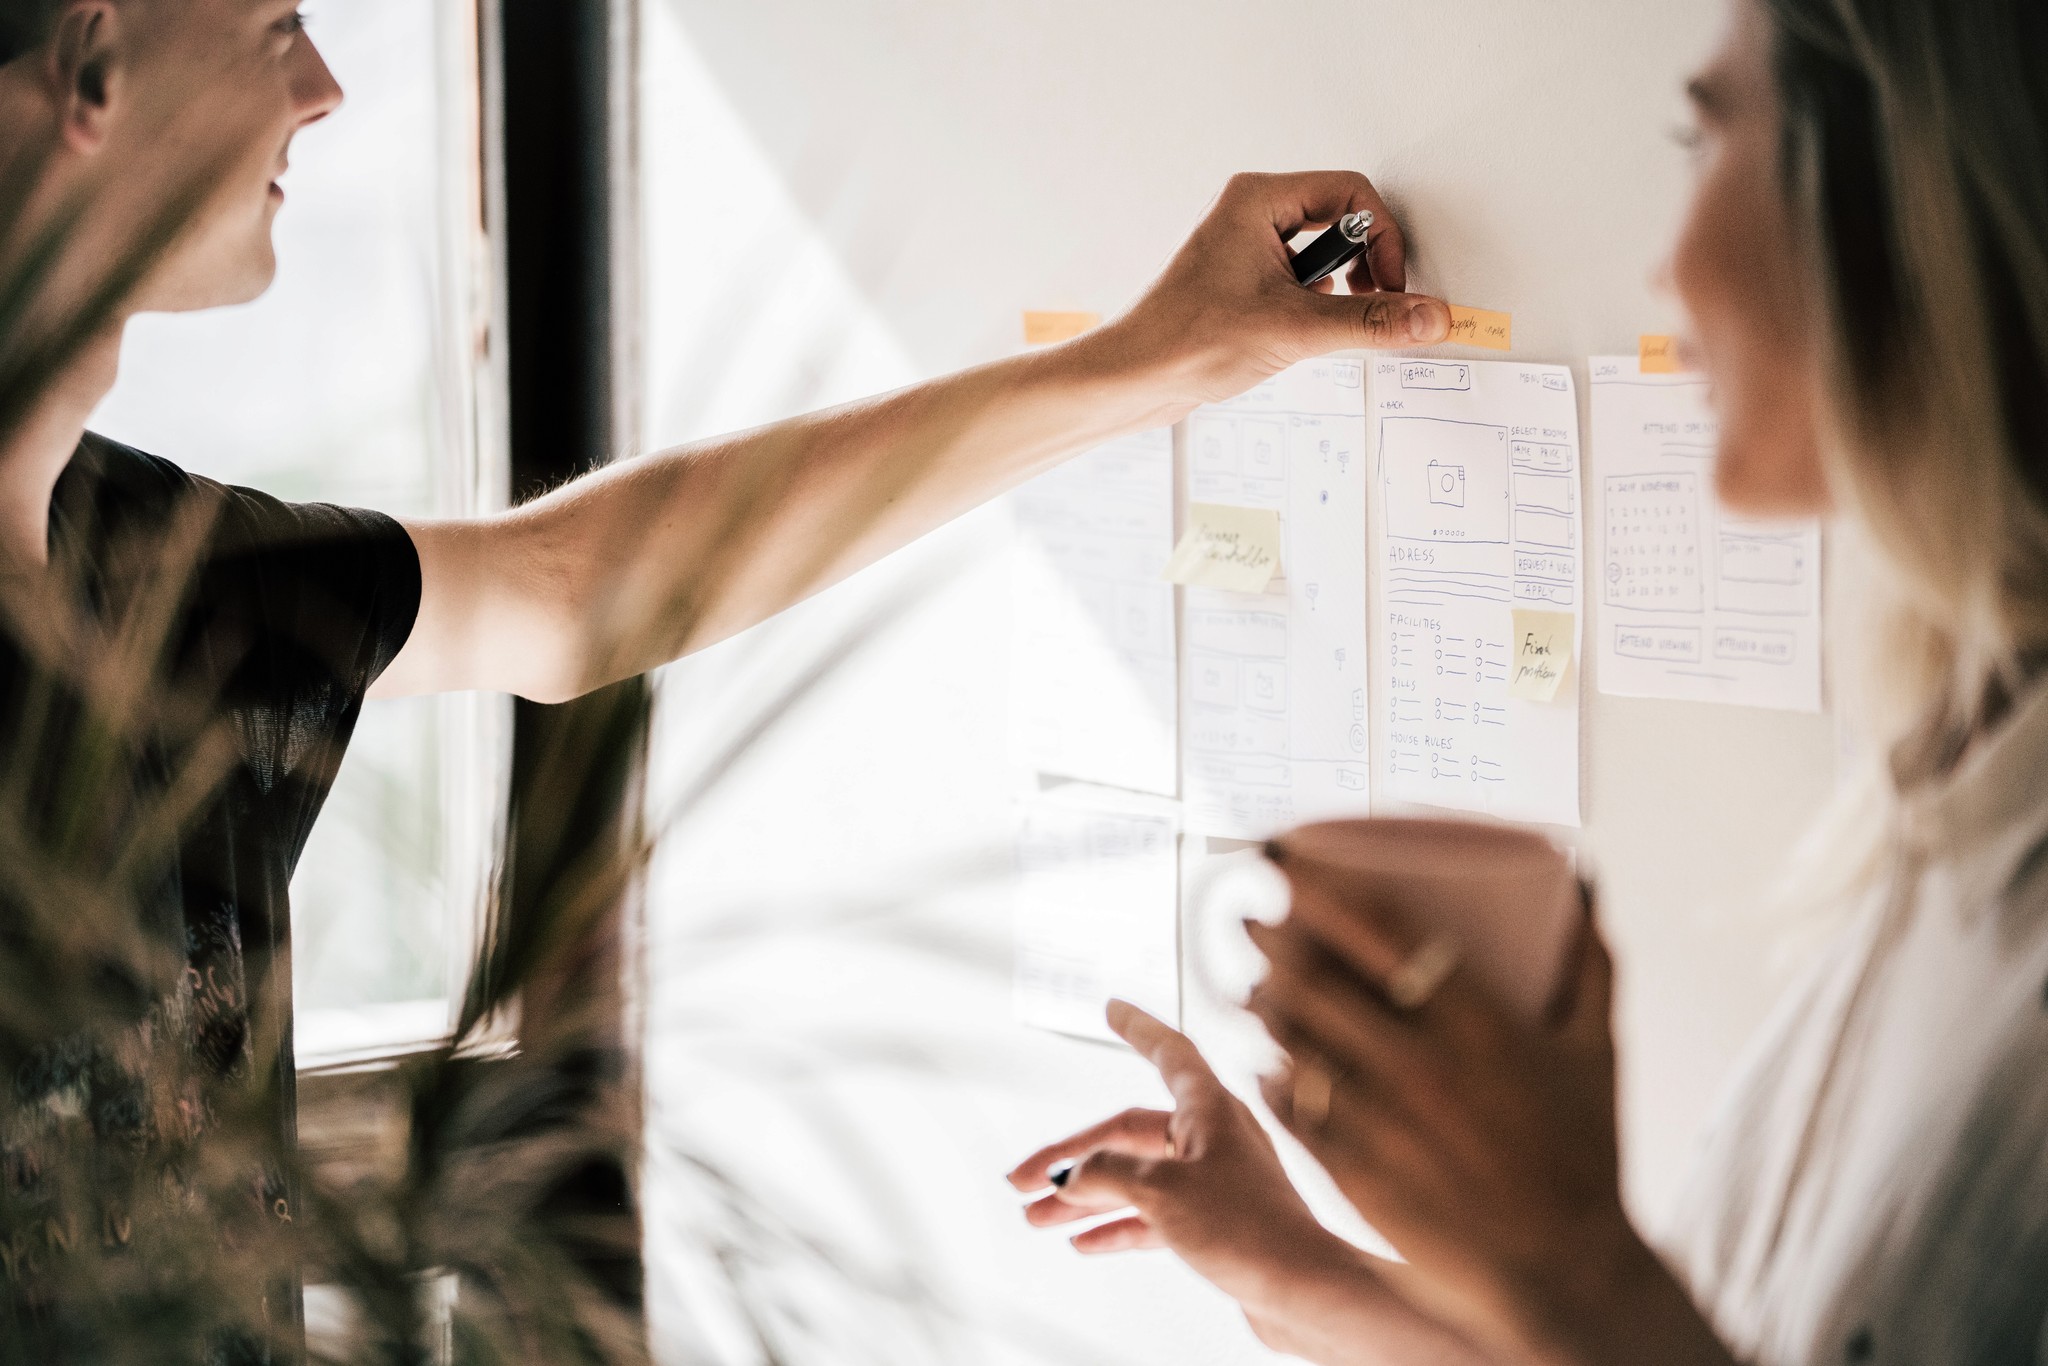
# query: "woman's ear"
[[83, 70]]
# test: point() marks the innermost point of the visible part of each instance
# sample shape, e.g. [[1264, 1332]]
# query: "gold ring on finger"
[[1412, 984], [1312, 1090]]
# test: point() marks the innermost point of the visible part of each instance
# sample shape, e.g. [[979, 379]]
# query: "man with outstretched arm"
[[141, 144]]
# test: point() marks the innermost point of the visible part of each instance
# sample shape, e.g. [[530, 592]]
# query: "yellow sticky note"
[[1543, 654], [1043, 329], [1227, 547], [1659, 355], [1479, 327]]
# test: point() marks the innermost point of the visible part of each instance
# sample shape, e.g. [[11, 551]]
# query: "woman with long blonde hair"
[[1865, 267]]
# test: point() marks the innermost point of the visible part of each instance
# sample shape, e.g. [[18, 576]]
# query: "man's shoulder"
[[106, 464], [133, 491], [335, 589], [112, 489]]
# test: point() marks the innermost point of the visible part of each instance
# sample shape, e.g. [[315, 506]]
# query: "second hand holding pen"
[[1334, 249]]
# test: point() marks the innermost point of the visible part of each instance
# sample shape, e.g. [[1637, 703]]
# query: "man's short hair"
[[23, 26]]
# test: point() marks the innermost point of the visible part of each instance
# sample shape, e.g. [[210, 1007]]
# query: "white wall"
[[845, 196]]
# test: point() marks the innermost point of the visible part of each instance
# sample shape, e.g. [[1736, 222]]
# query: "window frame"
[[473, 480], [544, 275]]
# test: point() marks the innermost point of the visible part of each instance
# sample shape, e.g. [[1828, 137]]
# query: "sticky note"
[[1479, 327], [1227, 547], [1658, 355], [1543, 654], [1043, 329]]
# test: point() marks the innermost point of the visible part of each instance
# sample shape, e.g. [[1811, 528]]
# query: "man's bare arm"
[[645, 561]]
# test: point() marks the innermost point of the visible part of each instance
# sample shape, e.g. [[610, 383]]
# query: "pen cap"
[[1339, 245]]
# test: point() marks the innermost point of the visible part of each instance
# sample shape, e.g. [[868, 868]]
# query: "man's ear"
[[83, 70]]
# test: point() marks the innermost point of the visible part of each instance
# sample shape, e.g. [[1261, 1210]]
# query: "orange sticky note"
[[1043, 329], [1659, 355], [1479, 327]]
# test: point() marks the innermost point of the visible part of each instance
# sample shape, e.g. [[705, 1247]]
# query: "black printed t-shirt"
[[167, 739]]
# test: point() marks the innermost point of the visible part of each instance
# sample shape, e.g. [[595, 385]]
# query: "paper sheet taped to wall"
[[1478, 495], [1275, 694], [1097, 909], [1092, 676], [1696, 603]]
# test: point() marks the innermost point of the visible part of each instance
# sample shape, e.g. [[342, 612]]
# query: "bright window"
[[353, 381]]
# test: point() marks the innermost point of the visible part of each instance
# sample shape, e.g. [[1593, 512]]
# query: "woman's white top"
[[1876, 1187]]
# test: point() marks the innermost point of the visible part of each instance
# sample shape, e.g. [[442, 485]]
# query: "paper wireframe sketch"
[[1097, 909], [1093, 685], [1478, 495], [1275, 697], [1696, 603]]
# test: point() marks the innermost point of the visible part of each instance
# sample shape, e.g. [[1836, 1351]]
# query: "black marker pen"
[[1335, 249]]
